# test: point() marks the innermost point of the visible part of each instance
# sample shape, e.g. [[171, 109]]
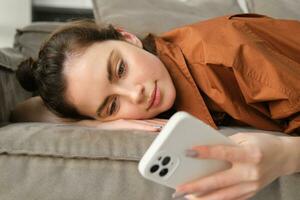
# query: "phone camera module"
[[166, 160], [163, 172], [154, 168]]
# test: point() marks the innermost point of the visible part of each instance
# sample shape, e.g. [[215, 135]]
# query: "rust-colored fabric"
[[245, 66]]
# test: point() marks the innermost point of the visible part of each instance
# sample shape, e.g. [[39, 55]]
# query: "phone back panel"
[[165, 162]]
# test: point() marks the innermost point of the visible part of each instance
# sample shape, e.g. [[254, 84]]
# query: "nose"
[[135, 94]]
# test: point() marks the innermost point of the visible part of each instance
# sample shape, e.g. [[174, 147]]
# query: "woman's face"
[[134, 75]]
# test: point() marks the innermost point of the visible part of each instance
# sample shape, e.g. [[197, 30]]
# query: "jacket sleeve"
[[268, 67]]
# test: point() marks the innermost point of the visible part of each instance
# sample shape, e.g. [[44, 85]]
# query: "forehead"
[[85, 75]]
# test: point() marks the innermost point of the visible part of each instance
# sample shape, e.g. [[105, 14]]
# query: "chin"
[[171, 101]]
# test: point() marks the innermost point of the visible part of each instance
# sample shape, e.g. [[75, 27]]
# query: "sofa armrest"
[[29, 39], [11, 93]]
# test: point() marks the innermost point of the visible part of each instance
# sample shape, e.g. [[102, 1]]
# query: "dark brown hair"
[[45, 74]]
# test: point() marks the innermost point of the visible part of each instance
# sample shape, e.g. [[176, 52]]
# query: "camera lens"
[[163, 172], [154, 168], [166, 160]]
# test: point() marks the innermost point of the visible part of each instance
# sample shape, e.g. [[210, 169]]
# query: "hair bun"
[[25, 74]]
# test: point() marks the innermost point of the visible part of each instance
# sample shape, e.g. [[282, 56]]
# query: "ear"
[[129, 37]]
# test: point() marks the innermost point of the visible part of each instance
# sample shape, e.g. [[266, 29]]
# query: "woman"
[[230, 70]]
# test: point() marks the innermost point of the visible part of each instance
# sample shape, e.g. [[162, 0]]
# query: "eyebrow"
[[109, 77]]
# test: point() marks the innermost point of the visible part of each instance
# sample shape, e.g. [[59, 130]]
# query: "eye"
[[112, 107], [121, 69]]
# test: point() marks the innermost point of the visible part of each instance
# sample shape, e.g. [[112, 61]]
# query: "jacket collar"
[[188, 96]]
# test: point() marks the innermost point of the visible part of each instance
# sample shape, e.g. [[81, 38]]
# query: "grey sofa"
[[54, 161]]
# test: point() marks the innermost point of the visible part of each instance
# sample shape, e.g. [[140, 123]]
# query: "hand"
[[145, 125], [257, 161]]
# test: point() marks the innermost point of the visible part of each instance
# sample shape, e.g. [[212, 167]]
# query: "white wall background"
[[13, 14], [83, 4], [17, 14]]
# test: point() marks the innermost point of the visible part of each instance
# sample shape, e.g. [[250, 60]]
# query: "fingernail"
[[158, 127], [191, 153], [177, 195]]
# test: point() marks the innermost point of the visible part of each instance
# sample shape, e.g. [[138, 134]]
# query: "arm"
[[34, 110]]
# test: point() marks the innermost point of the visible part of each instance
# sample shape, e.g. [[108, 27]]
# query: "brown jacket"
[[243, 67]]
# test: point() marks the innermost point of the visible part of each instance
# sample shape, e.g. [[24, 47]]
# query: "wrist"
[[291, 152]]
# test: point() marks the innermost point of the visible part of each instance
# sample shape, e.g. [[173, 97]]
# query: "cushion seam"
[[69, 157]]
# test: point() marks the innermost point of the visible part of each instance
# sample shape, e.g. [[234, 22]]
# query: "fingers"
[[246, 196], [153, 124], [218, 180], [243, 197], [225, 152], [241, 137], [160, 119], [144, 126], [129, 124], [237, 191], [151, 121], [191, 197], [157, 121]]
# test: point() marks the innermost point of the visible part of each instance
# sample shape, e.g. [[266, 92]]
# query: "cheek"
[[128, 109], [131, 111], [146, 66]]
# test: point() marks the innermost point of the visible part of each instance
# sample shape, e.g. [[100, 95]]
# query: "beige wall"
[[84, 4], [13, 14]]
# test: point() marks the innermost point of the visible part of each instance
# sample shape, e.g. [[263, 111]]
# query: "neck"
[[149, 44], [168, 113]]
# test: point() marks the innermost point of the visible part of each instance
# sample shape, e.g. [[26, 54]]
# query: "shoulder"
[[210, 27]]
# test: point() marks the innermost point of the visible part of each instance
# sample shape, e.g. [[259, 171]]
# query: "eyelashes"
[[112, 107], [121, 68]]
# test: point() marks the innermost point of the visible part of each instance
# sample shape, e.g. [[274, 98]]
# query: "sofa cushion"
[[75, 162], [69, 141], [29, 39], [157, 16], [285, 9]]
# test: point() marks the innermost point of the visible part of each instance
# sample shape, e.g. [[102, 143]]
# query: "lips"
[[152, 96]]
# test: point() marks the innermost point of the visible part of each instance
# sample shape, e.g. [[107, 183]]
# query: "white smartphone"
[[165, 162]]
